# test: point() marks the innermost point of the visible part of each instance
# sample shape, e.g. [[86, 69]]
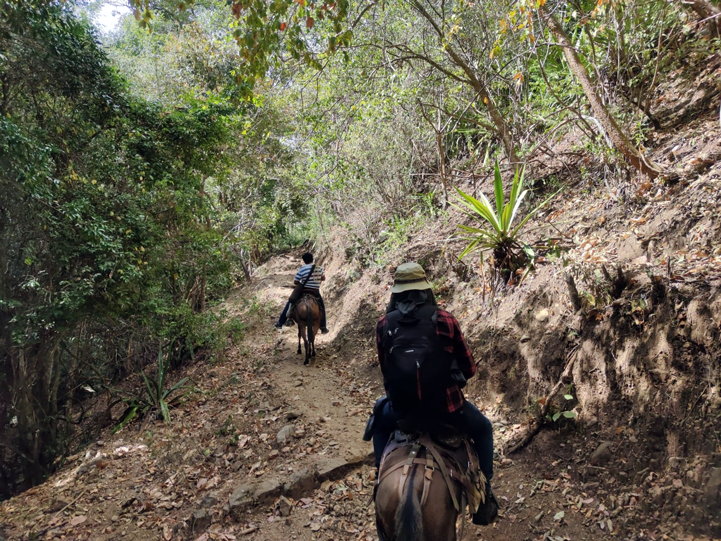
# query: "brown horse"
[[306, 314], [420, 499]]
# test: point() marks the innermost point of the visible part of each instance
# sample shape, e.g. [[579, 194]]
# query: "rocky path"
[[540, 501], [267, 449]]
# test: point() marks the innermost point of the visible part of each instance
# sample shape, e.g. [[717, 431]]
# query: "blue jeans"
[[468, 420], [284, 315]]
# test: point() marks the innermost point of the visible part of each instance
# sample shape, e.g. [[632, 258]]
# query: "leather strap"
[[305, 280], [444, 470], [407, 465], [427, 478]]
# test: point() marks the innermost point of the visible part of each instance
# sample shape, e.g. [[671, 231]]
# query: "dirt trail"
[[325, 390], [316, 390], [262, 424]]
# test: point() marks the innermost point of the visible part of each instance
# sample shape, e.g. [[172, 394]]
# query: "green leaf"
[[533, 212], [130, 414], [569, 414], [556, 416], [151, 389], [472, 246], [498, 189], [175, 387], [482, 207], [568, 396], [164, 410]]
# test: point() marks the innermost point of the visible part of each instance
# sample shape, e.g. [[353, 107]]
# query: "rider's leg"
[[386, 421], [283, 316], [478, 427], [323, 321], [471, 421]]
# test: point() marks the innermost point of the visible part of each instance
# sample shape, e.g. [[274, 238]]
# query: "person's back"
[[312, 282], [310, 276], [425, 363]]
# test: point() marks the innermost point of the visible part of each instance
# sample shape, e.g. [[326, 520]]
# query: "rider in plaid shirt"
[[412, 293], [452, 339]]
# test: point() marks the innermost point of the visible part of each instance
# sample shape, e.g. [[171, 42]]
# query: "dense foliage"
[[110, 244]]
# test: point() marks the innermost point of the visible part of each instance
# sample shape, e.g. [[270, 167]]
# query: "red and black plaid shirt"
[[453, 342]]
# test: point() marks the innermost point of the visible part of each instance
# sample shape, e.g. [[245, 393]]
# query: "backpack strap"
[[305, 280]]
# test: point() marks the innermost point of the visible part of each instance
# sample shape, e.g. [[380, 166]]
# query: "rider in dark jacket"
[[411, 291]]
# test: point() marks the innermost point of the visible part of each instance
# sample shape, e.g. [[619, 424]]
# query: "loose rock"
[[284, 506], [240, 500], [602, 454], [200, 520], [284, 434], [300, 484]]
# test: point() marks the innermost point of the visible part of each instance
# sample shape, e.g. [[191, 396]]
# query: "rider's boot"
[[323, 327], [487, 511]]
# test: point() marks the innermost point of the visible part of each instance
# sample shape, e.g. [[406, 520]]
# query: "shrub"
[[502, 237]]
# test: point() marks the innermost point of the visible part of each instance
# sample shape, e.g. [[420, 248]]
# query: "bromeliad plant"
[[499, 233], [155, 398]]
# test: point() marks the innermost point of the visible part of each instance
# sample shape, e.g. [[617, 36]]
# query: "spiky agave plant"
[[502, 237], [156, 396]]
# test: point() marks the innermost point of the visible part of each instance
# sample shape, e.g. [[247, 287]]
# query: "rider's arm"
[[380, 328], [461, 351]]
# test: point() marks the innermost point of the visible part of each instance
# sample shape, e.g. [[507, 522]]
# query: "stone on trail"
[[713, 486], [331, 468], [200, 520], [208, 501], [285, 434], [284, 506], [240, 500], [267, 491], [300, 484], [602, 454]]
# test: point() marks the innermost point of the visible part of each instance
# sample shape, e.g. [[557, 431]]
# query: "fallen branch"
[[535, 426]]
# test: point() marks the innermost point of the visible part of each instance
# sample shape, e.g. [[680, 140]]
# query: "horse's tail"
[[409, 521], [309, 322]]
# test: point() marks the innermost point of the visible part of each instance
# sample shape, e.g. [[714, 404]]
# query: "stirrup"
[[488, 510]]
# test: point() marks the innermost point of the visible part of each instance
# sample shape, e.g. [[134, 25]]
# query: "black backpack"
[[417, 370]]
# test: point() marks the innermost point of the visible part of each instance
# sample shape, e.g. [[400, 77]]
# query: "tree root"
[[535, 426]]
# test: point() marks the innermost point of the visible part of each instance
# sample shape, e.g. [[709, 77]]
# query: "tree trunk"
[[442, 167], [617, 137]]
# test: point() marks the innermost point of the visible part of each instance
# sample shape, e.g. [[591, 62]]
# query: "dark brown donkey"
[[307, 315], [422, 492]]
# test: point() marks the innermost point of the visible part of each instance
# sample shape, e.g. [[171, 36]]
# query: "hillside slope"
[[261, 424]]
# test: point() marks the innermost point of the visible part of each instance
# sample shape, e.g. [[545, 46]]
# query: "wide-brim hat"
[[409, 276]]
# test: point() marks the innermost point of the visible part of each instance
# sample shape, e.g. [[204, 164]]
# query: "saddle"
[[443, 448], [297, 302]]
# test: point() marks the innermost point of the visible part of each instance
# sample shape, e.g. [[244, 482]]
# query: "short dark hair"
[[307, 258]]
